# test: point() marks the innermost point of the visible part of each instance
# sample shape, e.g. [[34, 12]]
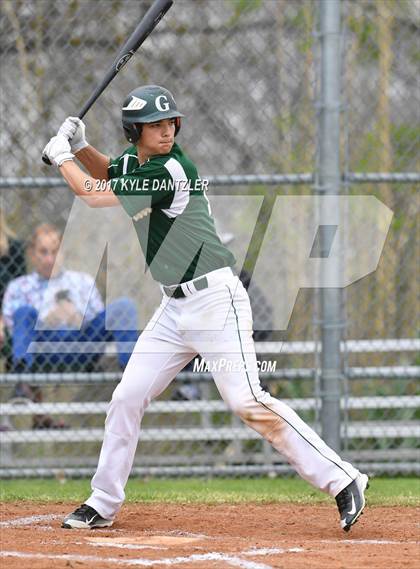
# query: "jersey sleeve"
[[149, 185]]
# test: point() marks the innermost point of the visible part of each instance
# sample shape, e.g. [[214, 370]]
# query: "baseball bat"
[[146, 25]]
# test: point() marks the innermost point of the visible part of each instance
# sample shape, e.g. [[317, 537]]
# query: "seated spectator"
[[53, 304], [34, 393], [12, 265]]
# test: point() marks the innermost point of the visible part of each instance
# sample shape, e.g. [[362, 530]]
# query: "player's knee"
[[242, 407], [250, 405], [128, 399]]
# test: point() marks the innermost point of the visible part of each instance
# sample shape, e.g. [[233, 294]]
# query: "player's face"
[[157, 137], [45, 254]]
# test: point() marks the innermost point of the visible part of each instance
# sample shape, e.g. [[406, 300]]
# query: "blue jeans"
[[121, 312]]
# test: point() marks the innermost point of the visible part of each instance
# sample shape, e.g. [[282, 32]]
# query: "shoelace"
[[84, 509], [343, 500]]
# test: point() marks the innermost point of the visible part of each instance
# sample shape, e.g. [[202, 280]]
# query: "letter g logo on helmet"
[[160, 105]]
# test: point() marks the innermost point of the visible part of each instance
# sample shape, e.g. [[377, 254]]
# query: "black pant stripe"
[[266, 406]]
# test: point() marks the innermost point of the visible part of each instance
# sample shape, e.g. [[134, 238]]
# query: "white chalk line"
[[250, 553], [127, 546], [229, 559], [232, 560], [28, 521], [272, 551]]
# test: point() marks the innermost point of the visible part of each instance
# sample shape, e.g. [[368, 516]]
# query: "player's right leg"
[[240, 387], [157, 357]]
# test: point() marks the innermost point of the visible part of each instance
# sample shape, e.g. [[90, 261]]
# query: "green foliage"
[[182, 29], [383, 491], [397, 222], [305, 23], [366, 34], [242, 7], [72, 7], [368, 153], [295, 19], [75, 41], [414, 54], [405, 140], [406, 144]]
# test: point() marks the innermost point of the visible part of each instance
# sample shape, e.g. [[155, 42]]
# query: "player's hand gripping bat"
[[145, 26]]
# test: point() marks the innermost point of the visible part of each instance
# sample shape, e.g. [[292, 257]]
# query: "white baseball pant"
[[215, 322]]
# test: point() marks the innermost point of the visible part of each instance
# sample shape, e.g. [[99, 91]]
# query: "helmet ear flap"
[[132, 132], [177, 125], [137, 127]]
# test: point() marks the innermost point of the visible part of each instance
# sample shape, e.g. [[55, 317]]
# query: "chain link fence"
[[246, 73]]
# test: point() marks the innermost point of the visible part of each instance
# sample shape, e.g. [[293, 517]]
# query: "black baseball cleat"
[[351, 501], [85, 517]]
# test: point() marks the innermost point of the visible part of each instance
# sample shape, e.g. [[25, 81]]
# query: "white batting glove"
[[73, 129], [58, 150]]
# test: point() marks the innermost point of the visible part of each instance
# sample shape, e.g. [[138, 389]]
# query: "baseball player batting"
[[204, 309]]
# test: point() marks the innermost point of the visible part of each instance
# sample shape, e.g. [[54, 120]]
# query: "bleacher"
[[207, 444]]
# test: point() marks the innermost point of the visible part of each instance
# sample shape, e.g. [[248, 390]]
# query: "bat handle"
[[46, 160]]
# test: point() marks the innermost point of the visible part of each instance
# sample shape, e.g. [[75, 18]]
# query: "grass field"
[[382, 491]]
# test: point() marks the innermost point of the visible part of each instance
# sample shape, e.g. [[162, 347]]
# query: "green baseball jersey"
[[178, 237]]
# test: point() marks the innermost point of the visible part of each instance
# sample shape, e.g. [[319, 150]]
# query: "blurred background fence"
[[246, 73]]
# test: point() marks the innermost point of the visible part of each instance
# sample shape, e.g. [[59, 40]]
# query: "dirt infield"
[[250, 536]]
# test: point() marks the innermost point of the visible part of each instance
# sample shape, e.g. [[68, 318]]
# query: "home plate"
[[164, 540]]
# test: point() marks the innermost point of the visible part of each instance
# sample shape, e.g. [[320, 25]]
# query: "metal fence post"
[[329, 183]]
